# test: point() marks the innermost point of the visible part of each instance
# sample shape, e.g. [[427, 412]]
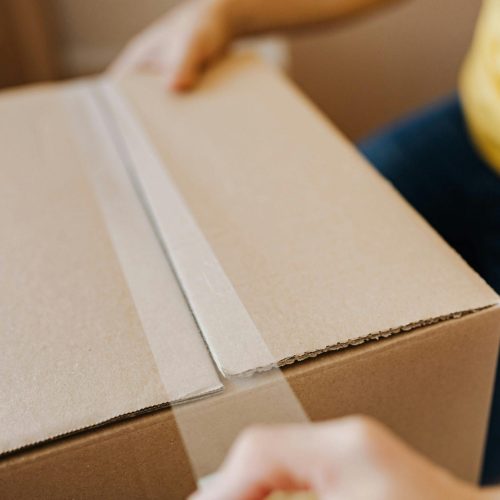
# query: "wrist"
[[225, 11], [238, 15]]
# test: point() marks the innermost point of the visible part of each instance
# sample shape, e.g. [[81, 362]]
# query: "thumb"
[[185, 63]]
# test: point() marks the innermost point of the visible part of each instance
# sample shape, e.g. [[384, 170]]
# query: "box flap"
[[94, 325], [286, 244], [320, 251]]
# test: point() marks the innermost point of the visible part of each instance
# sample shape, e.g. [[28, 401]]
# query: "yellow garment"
[[480, 84]]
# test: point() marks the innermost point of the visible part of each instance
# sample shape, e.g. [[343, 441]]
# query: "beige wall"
[[362, 73], [368, 72], [91, 32]]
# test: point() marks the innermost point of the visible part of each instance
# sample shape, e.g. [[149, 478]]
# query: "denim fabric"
[[431, 161]]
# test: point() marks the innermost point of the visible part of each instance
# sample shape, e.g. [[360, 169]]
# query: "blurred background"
[[362, 73]]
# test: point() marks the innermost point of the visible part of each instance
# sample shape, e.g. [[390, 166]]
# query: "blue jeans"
[[429, 158]]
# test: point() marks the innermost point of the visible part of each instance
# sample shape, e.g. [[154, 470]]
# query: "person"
[[444, 159], [353, 458]]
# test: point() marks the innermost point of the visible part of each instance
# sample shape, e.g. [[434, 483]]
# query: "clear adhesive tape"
[[113, 138]]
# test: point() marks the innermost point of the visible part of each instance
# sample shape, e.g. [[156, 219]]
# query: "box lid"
[[320, 250], [115, 197], [94, 325]]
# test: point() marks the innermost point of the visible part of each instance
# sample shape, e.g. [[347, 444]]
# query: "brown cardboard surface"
[[94, 325], [432, 387], [320, 250], [304, 245]]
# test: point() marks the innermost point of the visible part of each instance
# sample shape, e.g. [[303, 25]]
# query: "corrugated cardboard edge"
[[117, 418], [378, 336], [283, 363], [400, 330], [114, 456]]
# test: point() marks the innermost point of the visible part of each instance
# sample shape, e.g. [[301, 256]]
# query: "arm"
[[187, 38], [254, 16], [350, 458]]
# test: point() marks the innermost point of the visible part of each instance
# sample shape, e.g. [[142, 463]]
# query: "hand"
[[347, 459], [190, 36], [181, 43]]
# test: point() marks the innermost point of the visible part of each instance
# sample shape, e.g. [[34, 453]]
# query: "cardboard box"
[[157, 248]]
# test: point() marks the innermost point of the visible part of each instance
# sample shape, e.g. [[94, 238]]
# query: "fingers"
[[179, 61], [264, 460], [137, 52], [351, 458], [183, 63], [179, 46], [324, 458]]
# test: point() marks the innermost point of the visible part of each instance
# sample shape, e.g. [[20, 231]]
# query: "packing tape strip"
[[235, 342], [151, 281], [207, 426]]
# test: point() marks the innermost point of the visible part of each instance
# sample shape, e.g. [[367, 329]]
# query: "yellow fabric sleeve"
[[480, 84]]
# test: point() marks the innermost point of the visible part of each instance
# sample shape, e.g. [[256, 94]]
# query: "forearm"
[[253, 16], [182, 42]]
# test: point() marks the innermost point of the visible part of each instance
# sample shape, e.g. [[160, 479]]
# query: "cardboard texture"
[[85, 338], [136, 225], [432, 387], [318, 247]]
